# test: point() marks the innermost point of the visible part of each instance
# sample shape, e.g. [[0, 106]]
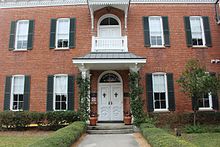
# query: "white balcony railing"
[[118, 44]]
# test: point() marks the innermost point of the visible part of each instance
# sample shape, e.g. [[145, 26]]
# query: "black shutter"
[[53, 33], [207, 31], [7, 93], [188, 31], [70, 92], [72, 33], [146, 31], [166, 31], [149, 92], [171, 96], [194, 104], [50, 93], [215, 103], [27, 92], [12, 36], [30, 34]]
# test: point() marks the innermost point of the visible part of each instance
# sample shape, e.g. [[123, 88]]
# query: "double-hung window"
[[160, 91], [197, 30], [62, 33], [60, 92], [156, 31], [205, 102], [21, 41], [17, 94]]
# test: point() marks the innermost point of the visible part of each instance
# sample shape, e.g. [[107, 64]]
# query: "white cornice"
[[40, 3]]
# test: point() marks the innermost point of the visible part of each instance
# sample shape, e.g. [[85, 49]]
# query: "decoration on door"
[[116, 94], [104, 95]]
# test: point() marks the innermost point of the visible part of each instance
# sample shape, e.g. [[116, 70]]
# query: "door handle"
[[109, 103]]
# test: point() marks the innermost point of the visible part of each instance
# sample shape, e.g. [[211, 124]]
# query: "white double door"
[[110, 102]]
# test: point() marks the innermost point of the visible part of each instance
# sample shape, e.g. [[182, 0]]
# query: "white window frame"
[[57, 28], [12, 92], [16, 34], [54, 94], [162, 34], [166, 92], [203, 32], [210, 104]]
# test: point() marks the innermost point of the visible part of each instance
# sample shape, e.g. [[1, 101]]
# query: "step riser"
[[110, 131], [108, 128]]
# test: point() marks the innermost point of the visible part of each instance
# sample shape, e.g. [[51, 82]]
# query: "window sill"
[[157, 47], [19, 50], [61, 49], [199, 47], [206, 109], [161, 110]]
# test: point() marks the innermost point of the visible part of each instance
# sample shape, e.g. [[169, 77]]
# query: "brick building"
[[45, 44]]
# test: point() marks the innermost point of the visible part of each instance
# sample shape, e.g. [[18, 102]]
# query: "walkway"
[[111, 140]]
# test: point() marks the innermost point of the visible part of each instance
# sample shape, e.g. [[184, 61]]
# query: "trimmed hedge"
[[22, 119], [160, 138], [63, 137]]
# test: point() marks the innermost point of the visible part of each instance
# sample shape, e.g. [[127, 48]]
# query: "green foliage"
[[194, 129], [53, 120], [83, 85], [63, 137], [159, 138], [135, 98]]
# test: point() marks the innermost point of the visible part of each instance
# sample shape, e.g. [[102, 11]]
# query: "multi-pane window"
[[60, 92], [22, 35], [205, 101], [17, 102], [197, 30], [160, 91], [62, 35], [156, 31]]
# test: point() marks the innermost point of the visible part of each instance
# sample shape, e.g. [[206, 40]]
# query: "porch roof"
[[109, 60]]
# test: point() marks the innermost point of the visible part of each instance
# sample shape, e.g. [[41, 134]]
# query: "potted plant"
[[127, 118], [93, 118]]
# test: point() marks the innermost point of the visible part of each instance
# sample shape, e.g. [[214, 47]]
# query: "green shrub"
[[63, 137], [194, 129], [38, 118], [160, 138]]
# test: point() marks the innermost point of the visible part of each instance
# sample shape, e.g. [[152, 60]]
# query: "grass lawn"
[[203, 139], [20, 138]]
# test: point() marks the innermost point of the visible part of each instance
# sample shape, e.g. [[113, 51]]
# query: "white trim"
[[162, 34], [106, 16], [98, 61], [203, 32], [57, 28], [12, 89], [210, 104], [44, 3], [54, 96], [166, 92], [16, 34]]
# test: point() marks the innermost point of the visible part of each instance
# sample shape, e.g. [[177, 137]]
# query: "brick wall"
[[42, 61]]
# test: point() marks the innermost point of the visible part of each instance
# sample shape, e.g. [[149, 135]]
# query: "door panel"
[[104, 98], [109, 32], [116, 103]]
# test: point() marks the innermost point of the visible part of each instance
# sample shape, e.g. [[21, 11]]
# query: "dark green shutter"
[[27, 92], [70, 92], [207, 31], [188, 31], [215, 103], [7, 93], [146, 32], [50, 93], [12, 36], [166, 31], [53, 33], [194, 104], [149, 91], [30, 34], [72, 33], [171, 96]]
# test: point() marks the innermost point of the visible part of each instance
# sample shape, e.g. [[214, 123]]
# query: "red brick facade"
[[42, 61]]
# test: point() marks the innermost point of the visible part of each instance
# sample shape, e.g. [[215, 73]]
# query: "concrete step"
[[110, 128], [121, 131]]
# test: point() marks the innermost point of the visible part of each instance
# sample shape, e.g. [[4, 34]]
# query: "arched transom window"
[[109, 21], [110, 78]]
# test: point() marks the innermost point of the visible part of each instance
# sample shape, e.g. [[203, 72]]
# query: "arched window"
[[110, 78], [109, 21]]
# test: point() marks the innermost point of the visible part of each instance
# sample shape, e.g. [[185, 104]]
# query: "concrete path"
[[109, 140]]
